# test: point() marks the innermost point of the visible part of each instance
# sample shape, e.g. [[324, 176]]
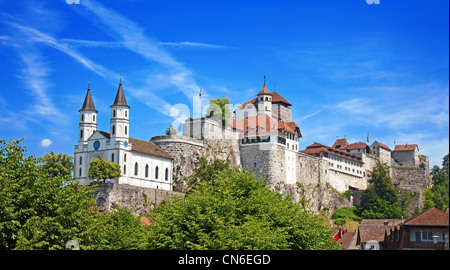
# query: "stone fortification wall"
[[140, 200], [311, 170], [406, 158], [412, 180], [187, 151], [410, 177], [256, 160]]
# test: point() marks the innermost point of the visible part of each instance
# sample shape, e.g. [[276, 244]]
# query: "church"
[[142, 163]]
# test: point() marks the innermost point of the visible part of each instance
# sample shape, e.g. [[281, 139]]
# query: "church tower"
[[265, 100], [120, 117], [88, 118]]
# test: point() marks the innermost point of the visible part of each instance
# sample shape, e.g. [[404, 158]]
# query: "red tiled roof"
[[264, 91], [358, 145], [406, 147], [276, 98], [382, 145], [264, 123], [141, 146], [340, 144], [376, 229], [148, 148], [315, 149], [430, 217], [250, 102]]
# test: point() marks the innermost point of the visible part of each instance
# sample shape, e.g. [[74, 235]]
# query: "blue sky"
[[348, 68]]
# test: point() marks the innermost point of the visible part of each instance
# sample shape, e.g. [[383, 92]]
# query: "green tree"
[[102, 169], [171, 130], [237, 212], [380, 200], [219, 110], [58, 164], [439, 192], [205, 170], [38, 211], [116, 230]]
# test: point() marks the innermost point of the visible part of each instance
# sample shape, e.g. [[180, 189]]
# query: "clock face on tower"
[[96, 145], [125, 143]]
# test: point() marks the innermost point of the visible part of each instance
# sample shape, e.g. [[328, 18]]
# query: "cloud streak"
[[133, 38]]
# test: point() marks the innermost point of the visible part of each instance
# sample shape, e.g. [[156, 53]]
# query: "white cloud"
[[133, 38], [46, 142]]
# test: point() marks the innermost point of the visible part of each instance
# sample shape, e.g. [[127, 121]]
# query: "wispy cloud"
[[193, 44], [121, 44], [133, 38]]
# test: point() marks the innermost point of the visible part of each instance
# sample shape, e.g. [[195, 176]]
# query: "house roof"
[[264, 90], [406, 147], [276, 98], [382, 145], [315, 149], [376, 229], [147, 147], [430, 217], [357, 145], [88, 104], [264, 123], [340, 144], [141, 146]]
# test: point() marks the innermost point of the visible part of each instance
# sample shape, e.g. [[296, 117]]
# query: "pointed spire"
[[120, 99], [264, 91], [88, 104]]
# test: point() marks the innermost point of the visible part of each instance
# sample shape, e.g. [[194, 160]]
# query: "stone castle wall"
[[141, 200], [406, 158], [311, 170], [187, 152], [413, 180]]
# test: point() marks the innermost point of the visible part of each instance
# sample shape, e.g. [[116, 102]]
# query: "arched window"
[[136, 168], [112, 157], [82, 117], [124, 169], [114, 113], [113, 130], [81, 134], [125, 157], [167, 174], [93, 118], [81, 160], [126, 130], [156, 172], [146, 170], [126, 114], [80, 172]]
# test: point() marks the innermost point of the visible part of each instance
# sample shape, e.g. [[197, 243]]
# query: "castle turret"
[[88, 118], [120, 116], [264, 100]]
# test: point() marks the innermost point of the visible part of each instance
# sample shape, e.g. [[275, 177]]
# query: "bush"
[[346, 213]]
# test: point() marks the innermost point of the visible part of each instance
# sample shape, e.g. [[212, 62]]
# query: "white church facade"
[[142, 163]]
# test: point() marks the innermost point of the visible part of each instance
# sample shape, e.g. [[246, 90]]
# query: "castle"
[[261, 137]]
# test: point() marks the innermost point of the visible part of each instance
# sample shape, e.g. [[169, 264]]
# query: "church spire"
[[120, 99], [88, 104]]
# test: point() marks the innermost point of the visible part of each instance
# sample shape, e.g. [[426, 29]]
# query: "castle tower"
[[265, 100], [88, 118], [120, 116]]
